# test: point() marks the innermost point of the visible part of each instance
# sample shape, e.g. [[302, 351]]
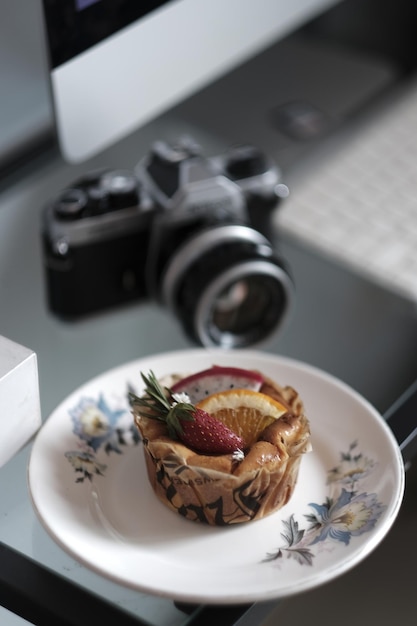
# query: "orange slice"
[[245, 412]]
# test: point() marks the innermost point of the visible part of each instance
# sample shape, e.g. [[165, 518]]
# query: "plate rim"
[[328, 575]]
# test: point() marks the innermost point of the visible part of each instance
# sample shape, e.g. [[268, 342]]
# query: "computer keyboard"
[[357, 205]]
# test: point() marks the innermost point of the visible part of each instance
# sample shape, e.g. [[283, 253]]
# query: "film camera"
[[190, 232]]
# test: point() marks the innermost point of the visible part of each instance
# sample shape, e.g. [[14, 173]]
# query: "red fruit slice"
[[217, 379]]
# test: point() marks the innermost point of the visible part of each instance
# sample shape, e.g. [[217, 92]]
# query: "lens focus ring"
[[233, 292]]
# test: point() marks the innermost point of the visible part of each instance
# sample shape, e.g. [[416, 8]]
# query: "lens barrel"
[[227, 287]]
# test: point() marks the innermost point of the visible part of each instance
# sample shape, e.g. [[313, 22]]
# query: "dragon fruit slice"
[[216, 379]]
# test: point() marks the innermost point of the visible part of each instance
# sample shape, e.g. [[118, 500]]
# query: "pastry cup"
[[229, 489]]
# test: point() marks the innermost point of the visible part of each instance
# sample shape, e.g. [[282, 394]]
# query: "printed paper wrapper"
[[220, 490]]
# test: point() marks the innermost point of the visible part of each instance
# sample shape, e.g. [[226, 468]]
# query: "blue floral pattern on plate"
[[347, 512], [98, 427]]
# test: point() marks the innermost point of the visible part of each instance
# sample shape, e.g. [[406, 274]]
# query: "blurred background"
[[344, 69]]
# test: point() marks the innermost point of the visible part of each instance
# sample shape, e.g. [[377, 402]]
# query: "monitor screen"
[[117, 64]]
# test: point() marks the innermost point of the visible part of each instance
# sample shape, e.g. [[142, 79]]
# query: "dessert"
[[222, 446]]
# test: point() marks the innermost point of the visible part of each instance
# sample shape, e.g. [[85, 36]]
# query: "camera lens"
[[228, 288], [240, 306], [243, 305]]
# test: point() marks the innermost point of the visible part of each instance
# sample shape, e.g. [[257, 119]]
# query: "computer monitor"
[[117, 64]]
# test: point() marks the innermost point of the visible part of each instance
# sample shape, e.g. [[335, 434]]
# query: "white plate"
[[89, 487]]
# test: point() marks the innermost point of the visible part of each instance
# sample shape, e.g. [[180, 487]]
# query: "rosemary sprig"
[[161, 404]]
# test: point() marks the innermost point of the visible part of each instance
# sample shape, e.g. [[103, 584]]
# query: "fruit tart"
[[222, 446]]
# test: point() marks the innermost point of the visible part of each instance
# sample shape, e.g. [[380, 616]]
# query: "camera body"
[[187, 231]]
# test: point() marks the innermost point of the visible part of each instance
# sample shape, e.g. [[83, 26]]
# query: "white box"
[[20, 413]]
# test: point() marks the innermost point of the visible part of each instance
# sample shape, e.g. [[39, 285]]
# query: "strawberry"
[[204, 433], [193, 427]]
